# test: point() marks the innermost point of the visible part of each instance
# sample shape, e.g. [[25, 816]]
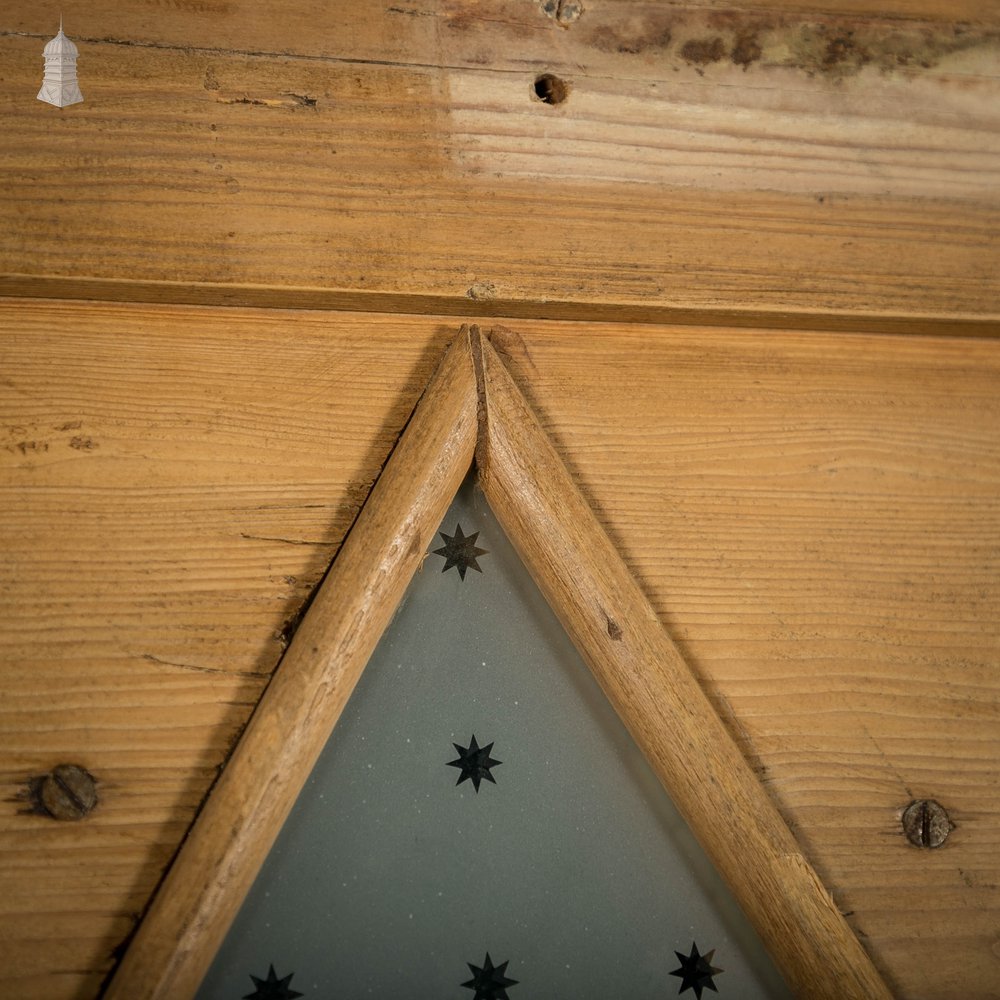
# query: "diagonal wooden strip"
[[218, 862], [643, 674]]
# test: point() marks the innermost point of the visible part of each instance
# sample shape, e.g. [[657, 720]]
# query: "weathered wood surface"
[[814, 518], [173, 483], [808, 159]]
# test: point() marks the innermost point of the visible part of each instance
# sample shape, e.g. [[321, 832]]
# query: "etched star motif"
[[460, 550], [696, 971], [490, 982], [475, 762], [272, 988]]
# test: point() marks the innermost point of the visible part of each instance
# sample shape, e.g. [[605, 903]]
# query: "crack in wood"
[[279, 538], [197, 668]]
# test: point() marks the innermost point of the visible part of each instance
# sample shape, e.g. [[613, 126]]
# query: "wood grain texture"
[[368, 31], [813, 517], [815, 520], [796, 161], [220, 858], [174, 483], [581, 574]]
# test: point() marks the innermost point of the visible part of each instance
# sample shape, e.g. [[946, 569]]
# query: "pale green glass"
[[389, 879]]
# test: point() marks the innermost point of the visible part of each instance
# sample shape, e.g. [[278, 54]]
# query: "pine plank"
[[370, 30], [379, 157], [641, 671], [174, 483], [815, 520]]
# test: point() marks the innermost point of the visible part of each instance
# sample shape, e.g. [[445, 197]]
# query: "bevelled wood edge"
[[755, 320], [218, 862], [659, 699]]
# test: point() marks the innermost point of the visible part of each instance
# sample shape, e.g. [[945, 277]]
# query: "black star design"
[[461, 551], [696, 971], [272, 988], [490, 982], [475, 762]]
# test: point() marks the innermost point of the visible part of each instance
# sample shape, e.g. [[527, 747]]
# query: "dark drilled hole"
[[550, 89]]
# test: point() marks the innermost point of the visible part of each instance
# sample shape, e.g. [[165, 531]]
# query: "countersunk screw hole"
[[550, 89]]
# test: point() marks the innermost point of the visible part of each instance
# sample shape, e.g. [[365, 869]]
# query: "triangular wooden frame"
[[472, 408]]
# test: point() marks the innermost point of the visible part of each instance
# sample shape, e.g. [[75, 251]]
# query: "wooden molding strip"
[[659, 699], [472, 406], [220, 858], [419, 304]]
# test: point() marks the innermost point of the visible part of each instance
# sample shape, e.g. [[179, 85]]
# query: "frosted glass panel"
[[481, 826]]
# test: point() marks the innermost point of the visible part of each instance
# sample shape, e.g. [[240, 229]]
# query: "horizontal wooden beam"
[[705, 166], [98, 290]]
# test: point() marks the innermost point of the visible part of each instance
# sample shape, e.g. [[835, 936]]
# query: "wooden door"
[[749, 269]]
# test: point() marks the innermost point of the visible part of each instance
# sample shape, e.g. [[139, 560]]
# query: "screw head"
[[926, 823], [67, 792]]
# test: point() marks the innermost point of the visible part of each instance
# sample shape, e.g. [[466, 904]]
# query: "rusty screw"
[[67, 792], [926, 824]]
